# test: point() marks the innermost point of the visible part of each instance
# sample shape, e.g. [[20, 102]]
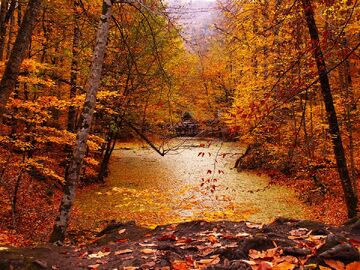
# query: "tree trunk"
[[22, 42], [10, 36], [74, 68], [110, 145], [346, 85], [6, 13], [19, 17], [350, 197], [72, 124], [58, 234], [3, 11]]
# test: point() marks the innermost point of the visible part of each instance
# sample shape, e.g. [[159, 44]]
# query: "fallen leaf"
[[179, 265], [121, 240], [185, 240], [148, 265], [148, 244], [189, 260], [100, 254], [254, 225], [213, 239], [217, 245], [335, 264], [284, 266], [270, 253], [85, 254], [324, 268], [215, 259], [205, 250], [353, 266], [124, 251], [242, 234], [130, 268], [100, 261], [289, 259], [265, 266], [148, 251], [251, 263], [122, 231], [168, 236], [94, 266], [232, 245], [96, 239]]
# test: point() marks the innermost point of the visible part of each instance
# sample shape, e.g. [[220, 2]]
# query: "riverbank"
[[325, 197], [282, 244]]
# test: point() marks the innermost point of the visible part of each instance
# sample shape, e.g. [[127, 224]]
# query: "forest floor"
[[283, 244], [325, 198]]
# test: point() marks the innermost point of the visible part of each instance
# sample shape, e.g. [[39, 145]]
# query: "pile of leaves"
[[283, 244]]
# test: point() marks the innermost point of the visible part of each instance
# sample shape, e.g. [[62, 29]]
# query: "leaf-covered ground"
[[283, 244]]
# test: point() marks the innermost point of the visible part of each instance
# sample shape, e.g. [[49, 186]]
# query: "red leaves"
[[265, 266], [168, 236], [93, 266], [121, 240], [202, 154], [189, 260], [179, 265], [353, 266], [213, 239], [123, 251], [186, 240]]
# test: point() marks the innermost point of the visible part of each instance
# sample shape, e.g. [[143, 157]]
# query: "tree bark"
[[10, 37], [110, 145], [22, 42], [3, 12], [58, 234], [346, 85], [350, 197], [7, 11], [74, 68]]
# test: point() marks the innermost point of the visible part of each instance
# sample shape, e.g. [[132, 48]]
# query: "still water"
[[195, 180]]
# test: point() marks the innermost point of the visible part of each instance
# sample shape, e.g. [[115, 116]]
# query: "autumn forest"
[[106, 103]]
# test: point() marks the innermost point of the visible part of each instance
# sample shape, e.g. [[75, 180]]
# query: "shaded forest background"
[[253, 79]]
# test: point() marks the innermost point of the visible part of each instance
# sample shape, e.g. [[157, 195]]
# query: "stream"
[[195, 180]]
